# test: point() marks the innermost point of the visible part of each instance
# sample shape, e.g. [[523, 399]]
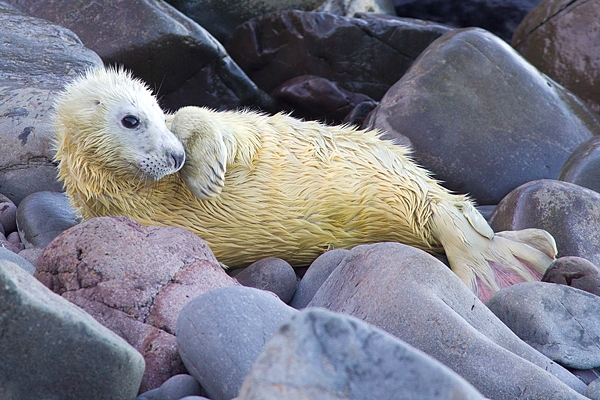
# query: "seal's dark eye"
[[130, 121]]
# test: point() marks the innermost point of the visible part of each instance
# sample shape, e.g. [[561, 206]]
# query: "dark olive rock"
[[220, 18], [478, 116], [582, 166], [316, 98], [42, 216], [576, 272], [570, 213], [151, 37], [37, 58], [561, 39], [498, 17], [277, 47]]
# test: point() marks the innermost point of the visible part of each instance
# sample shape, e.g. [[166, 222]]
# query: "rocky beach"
[[498, 101]]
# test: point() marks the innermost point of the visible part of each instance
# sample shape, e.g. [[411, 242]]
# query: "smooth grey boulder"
[[477, 115], [51, 349], [42, 216], [7, 255], [582, 166], [559, 321], [413, 296], [221, 333], [570, 213], [272, 274], [576, 272], [150, 37], [323, 355], [315, 275], [37, 58]]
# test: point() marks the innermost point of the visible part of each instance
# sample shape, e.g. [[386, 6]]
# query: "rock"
[[315, 98], [593, 390], [8, 215], [175, 388], [272, 274], [478, 116], [576, 272], [349, 8], [498, 17], [8, 255], [560, 38], [52, 349], [570, 213], [411, 295], [359, 114], [42, 216], [581, 168], [334, 356], [40, 59], [315, 275], [220, 334], [13, 248], [277, 47], [559, 321], [220, 18], [31, 254], [146, 37], [134, 280]]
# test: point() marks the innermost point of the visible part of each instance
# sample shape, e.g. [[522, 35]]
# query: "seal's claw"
[[488, 264], [205, 166]]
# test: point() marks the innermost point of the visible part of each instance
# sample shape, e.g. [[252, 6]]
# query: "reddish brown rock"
[[134, 280], [562, 39]]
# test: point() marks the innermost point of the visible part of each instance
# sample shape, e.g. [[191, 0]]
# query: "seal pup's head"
[[109, 124]]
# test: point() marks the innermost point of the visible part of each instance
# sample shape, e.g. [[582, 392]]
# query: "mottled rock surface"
[[576, 272], [319, 354], [559, 321], [134, 280], [40, 59]]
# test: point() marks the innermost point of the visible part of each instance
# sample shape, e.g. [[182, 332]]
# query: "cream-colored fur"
[[255, 186]]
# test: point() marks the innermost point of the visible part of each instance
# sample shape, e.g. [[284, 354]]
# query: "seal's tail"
[[488, 261]]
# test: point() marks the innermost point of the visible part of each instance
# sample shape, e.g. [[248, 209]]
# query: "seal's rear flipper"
[[487, 262]]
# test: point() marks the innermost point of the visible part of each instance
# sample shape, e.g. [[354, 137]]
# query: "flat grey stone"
[[559, 321], [220, 334], [323, 355], [51, 349], [8, 255]]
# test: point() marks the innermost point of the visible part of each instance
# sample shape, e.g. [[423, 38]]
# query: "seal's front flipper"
[[487, 263], [206, 152]]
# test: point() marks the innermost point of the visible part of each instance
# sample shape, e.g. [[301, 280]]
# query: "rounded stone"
[[272, 274], [221, 333]]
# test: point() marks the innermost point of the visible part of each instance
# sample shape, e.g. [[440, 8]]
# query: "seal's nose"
[[178, 160]]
